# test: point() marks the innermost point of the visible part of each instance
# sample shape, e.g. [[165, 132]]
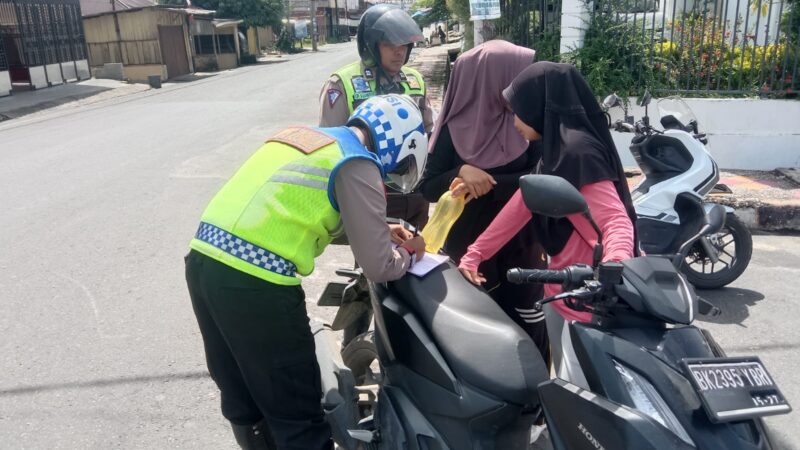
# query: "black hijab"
[[576, 145]]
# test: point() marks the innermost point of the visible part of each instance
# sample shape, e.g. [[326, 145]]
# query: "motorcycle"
[[456, 372], [671, 198]]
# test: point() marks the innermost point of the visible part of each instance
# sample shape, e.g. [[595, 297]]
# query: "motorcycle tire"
[[734, 232], [359, 355]]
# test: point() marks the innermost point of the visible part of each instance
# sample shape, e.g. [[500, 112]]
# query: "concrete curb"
[[758, 209], [764, 216]]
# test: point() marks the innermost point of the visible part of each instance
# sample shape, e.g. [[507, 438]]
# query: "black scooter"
[[457, 373]]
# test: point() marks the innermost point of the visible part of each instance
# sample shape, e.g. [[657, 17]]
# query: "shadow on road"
[[735, 304], [23, 390], [190, 78], [24, 103]]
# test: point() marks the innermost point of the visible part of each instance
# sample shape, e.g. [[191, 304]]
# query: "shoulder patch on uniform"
[[304, 139], [412, 81], [333, 95]]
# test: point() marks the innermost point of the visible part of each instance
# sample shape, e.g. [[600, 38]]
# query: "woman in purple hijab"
[[476, 149]]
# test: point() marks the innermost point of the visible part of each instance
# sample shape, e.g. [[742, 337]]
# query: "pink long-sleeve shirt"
[[607, 210]]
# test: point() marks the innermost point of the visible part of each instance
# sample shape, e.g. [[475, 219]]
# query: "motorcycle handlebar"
[[572, 275]]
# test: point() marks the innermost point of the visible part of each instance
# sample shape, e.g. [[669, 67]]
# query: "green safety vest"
[[279, 212], [360, 83]]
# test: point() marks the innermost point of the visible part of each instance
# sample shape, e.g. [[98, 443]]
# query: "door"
[[173, 50]]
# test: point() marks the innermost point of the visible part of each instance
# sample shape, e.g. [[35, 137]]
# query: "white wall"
[[574, 16], [68, 69], [38, 78], [54, 74], [5, 84], [746, 134], [83, 70]]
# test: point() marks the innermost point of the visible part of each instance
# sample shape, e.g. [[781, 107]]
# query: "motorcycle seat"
[[481, 344]]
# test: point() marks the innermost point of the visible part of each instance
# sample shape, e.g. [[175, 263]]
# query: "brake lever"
[[577, 293]]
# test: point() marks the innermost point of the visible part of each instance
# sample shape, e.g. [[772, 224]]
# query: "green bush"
[[614, 56], [702, 55]]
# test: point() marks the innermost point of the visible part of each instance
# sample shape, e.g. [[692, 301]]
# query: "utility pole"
[[116, 28], [314, 25], [336, 25]]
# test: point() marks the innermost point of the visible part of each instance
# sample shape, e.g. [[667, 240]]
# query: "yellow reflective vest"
[[279, 212], [360, 83]]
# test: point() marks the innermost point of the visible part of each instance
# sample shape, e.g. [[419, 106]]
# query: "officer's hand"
[[473, 276], [399, 234], [418, 244], [476, 181]]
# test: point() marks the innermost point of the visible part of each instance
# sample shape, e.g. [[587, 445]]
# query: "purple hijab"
[[474, 110]]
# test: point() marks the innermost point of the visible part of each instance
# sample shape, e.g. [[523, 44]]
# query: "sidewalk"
[[68, 95], [431, 62], [768, 201]]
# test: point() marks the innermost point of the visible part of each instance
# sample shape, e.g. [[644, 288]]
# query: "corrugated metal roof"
[[100, 7], [96, 7]]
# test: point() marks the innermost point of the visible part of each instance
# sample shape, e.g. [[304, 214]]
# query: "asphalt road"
[[100, 348]]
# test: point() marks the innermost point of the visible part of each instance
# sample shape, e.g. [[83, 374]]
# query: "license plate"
[[735, 388]]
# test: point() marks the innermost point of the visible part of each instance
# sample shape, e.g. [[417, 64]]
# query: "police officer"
[[386, 34], [266, 225]]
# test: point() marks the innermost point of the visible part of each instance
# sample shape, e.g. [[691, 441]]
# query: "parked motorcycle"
[[671, 198], [457, 373], [654, 380]]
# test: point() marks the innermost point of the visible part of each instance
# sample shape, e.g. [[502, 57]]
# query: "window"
[[226, 43], [204, 44]]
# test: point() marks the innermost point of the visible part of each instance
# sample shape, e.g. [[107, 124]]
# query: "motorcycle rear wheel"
[[735, 246]]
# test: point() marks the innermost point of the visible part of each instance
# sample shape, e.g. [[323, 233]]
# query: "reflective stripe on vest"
[[244, 250]]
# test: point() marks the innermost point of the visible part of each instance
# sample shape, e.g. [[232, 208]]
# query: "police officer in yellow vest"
[[386, 35], [266, 225]]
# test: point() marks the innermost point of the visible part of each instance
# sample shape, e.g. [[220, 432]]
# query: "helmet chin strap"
[[380, 73], [391, 88]]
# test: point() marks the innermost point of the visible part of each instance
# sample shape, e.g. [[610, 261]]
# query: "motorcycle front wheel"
[[734, 246], [359, 355]]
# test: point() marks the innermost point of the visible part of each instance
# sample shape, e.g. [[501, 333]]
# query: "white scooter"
[[670, 199]]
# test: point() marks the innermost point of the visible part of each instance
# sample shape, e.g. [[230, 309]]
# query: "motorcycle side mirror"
[[552, 196], [612, 101], [646, 98]]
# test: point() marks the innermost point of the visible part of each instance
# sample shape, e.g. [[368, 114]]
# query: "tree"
[[255, 13], [438, 12]]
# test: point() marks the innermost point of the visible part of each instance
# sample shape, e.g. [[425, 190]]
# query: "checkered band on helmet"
[[383, 135], [390, 119]]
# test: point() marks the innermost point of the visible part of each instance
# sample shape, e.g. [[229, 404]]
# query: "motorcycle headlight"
[[647, 400]]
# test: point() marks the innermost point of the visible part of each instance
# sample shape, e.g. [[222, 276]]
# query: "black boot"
[[254, 437]]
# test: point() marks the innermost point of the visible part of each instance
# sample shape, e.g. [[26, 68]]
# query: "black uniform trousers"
[[260, 352]]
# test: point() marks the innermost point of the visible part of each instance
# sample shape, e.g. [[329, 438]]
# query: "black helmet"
[[387, 23]]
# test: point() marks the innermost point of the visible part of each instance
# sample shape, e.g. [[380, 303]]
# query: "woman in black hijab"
[[553, 104]]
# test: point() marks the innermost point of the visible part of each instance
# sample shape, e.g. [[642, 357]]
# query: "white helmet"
[[398, 137]]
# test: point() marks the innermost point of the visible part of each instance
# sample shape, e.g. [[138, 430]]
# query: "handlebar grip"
[[519, 276]]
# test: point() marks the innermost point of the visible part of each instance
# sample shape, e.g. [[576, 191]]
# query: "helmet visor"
[[397, 28], [404, 177]]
